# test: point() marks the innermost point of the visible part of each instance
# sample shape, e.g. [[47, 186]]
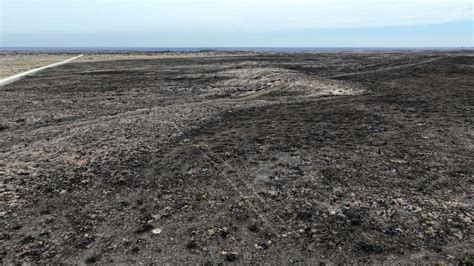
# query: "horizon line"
[[235, 47]]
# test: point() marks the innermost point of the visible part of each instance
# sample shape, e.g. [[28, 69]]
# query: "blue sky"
[[236, 23]]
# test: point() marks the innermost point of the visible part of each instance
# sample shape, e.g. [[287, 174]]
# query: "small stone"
[[144, 228], [253, 227], [92, 259], [156, 231], [191, 244], [416, 208], [459, 235], [211, 232], [430, 231], [467, 220], [230, 256]]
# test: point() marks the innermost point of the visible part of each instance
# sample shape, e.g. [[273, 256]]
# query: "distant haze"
[[236, 23]]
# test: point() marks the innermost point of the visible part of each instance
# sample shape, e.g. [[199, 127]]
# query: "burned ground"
[[276, 158]]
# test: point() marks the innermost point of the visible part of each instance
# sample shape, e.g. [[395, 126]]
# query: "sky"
[[236, 23]]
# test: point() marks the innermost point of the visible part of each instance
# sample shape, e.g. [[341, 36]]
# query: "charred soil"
[[269, 158]]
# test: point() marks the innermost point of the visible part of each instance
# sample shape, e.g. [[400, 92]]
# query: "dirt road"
[[10, 79]]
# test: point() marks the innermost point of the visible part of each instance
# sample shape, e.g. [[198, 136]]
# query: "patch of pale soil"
[[254, 82], [157, 55], [11, 64], [14, 63]]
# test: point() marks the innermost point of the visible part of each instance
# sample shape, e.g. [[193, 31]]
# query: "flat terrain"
[[264, 158], [14, 63]]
